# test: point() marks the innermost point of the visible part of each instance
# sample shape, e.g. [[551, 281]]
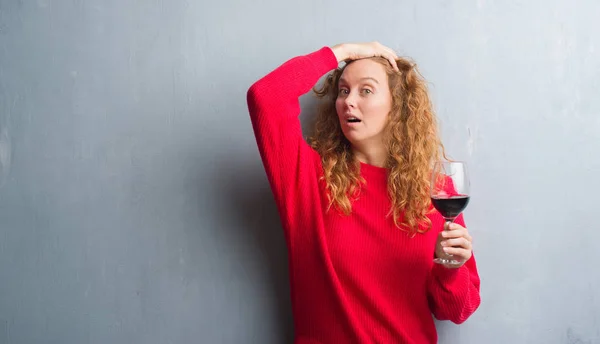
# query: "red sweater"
[[357, 278]]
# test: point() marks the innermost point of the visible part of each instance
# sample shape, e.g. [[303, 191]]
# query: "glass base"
[[444, 261]]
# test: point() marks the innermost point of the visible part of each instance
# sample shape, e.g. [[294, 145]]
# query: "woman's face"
[[364, 102]]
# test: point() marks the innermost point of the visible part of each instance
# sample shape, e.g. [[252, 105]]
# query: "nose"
[[350, 100]]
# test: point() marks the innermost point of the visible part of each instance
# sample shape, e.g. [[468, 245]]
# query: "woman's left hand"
[[454, 241]]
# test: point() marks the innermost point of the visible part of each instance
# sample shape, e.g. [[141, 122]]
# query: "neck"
[[371, 154]]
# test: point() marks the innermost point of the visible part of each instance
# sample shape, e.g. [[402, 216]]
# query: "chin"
[[353, 139]]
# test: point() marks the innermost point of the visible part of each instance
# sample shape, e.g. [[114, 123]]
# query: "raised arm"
[[274, 108]]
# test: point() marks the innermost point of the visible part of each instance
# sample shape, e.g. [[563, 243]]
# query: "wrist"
[[340, 52]]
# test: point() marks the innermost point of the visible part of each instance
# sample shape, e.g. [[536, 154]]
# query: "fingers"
[[385, 52], [458, 242], [458, 253], [392, 59], [456, 231], [389, 54], [459, 239]]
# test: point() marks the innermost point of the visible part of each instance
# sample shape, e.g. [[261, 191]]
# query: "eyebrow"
[[342, 80]]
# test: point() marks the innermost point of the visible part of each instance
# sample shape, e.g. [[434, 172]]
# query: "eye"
[[367, 91], [343, 91]]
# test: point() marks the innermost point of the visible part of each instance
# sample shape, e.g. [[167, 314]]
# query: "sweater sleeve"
[[454, 293], [274, 109]]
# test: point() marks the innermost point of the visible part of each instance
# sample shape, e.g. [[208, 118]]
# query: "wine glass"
[[449, 195]]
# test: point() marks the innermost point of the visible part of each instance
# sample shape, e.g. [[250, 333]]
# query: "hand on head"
[[355, 51]]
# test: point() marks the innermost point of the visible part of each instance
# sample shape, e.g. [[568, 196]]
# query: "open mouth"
[[353, 120]]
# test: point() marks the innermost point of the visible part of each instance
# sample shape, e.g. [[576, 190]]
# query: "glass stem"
[[447, 224]]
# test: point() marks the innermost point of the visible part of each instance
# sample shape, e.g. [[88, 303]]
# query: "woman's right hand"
[[355, 51]]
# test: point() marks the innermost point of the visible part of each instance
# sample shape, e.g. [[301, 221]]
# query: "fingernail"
[[444, 243], [446, 249]]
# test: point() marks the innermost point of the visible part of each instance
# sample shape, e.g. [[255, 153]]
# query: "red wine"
[[450, 207]]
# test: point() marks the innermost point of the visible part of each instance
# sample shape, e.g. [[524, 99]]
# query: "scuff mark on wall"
[[472, 138], [5, 140], [5, 154]]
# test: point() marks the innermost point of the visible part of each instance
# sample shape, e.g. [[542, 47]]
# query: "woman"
[[355, 208]]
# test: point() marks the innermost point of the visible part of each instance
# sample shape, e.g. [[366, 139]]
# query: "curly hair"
[[411, 137]]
